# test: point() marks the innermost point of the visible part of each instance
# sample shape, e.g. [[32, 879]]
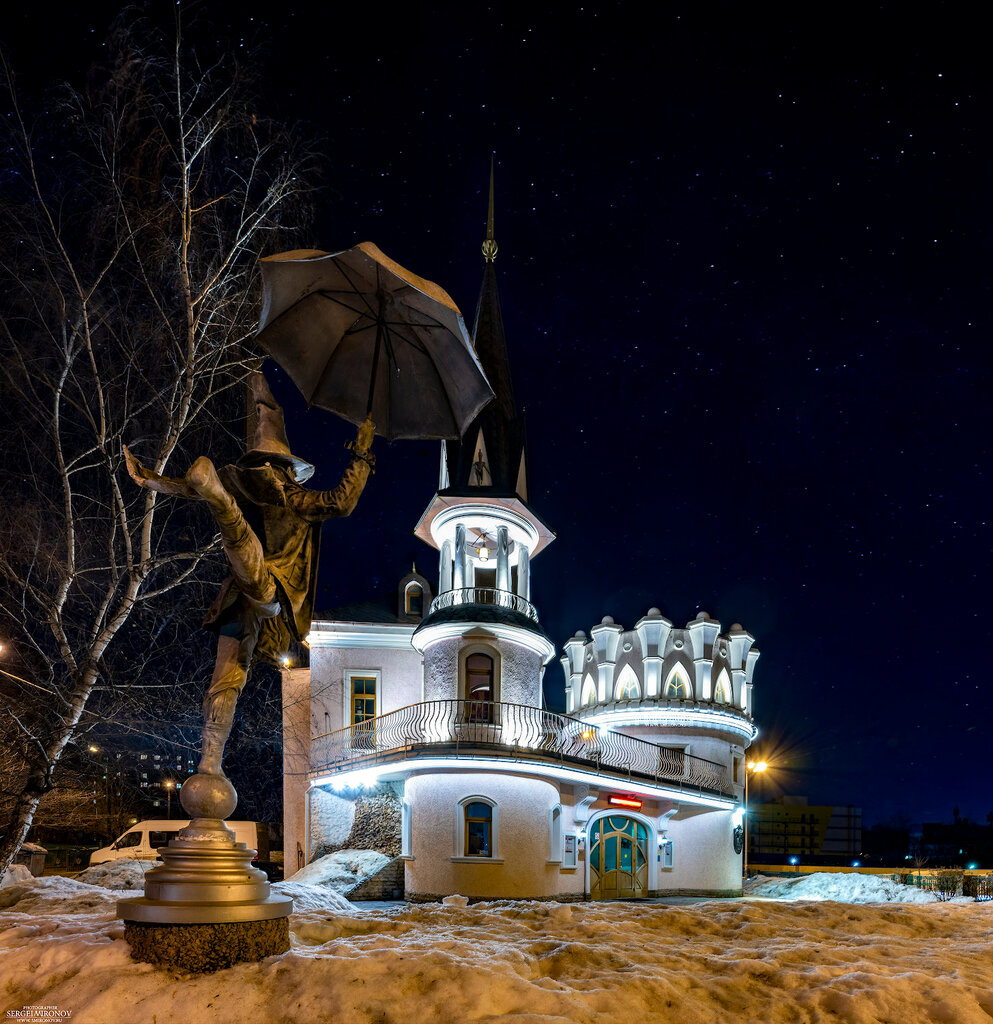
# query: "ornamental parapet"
[[515, 732]]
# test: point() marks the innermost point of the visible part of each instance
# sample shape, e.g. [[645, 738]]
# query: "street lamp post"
[[169, 787], [751, 768]]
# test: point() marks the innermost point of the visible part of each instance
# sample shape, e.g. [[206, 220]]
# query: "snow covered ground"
[[751, 961]]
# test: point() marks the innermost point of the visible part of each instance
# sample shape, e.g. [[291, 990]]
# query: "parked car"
[[142, 841]]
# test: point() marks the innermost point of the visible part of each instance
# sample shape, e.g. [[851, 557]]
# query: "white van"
[[142, 841]]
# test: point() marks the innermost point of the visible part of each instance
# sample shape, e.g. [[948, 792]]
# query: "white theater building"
[[435, 708]]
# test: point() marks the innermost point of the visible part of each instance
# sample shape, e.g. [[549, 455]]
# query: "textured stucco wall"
[[520, 669], [522, 843], [520, 681], [703, 855], [296, 762], [441, 670], [400, 680]]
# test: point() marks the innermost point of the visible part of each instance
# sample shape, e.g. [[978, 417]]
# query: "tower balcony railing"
[[462, 728], [485, 595]]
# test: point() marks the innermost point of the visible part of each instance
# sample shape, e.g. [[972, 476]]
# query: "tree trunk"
[[22, 816]]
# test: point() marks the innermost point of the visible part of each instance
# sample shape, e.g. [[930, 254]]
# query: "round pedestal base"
[[202, 948]]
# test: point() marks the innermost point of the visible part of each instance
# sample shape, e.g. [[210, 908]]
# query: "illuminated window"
[[479, 679], [478, 830], [627, 685], [589, 692], [722, 691], [677, 686], [413, 599], [363, 699]]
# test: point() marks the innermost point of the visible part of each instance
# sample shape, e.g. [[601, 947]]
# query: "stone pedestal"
[[205, 907]]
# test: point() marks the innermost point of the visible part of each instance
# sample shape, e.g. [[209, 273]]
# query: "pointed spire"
[[489, 246], [489, 455]]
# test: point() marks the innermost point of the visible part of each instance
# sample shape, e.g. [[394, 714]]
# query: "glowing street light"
[[169, 787]]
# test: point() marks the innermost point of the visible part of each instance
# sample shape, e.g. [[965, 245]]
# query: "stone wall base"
[[203, 948], [385, 884], [437, 897], [717, 894]]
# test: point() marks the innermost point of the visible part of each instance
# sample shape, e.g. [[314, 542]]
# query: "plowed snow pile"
[[846, 887], [717, 962]]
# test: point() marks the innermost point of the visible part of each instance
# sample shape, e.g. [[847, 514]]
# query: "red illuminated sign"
[[623, 801]]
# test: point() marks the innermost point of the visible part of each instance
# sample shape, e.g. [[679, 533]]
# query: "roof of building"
[[491, 452]]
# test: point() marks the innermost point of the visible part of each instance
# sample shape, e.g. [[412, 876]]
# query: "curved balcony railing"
[[514, 731], [485, 595]]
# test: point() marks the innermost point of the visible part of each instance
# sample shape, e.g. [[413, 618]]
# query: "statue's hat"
[[270, 444]]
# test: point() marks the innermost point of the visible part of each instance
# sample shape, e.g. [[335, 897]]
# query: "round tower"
[[687, 688], [481, 639]]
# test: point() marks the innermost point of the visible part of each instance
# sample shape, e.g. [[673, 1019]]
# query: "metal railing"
[[514, 731], [485, 595]]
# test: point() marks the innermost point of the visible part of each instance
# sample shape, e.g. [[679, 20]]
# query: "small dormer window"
[[413, 603]]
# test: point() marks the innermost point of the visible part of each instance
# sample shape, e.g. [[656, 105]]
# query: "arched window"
[[478, 827], [479, 676], [722, 691], [627, 687], [413, 599], [677, 686], [589, 692]]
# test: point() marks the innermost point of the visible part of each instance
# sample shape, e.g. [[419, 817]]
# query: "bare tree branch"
[[133, 212]]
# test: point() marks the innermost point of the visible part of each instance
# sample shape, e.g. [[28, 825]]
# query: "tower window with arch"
[[478, 818], [479, 686], [628, 687], [677, 685], [589, 692], [722, 691], [413, 599]]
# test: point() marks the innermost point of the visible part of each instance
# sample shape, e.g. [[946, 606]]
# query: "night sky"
[[744, 267]]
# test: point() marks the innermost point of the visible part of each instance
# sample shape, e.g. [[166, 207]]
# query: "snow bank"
[[713, 962], [342, 870], [16, 874], [118, 874], [54, 894], [845, 887], [312, 897]]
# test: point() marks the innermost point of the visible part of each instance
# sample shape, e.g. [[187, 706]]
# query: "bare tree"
[[132, 216]]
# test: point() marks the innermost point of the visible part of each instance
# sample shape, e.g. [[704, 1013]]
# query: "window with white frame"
[[478, 822], [555, 834], [479, 681]]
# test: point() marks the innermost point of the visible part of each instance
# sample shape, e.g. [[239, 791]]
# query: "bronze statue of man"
[[270, 530]]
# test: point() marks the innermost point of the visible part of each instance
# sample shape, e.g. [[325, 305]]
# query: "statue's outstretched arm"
[[341, 500], [149, 478]]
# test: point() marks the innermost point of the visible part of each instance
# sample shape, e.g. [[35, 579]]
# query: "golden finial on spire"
[[490, 246]]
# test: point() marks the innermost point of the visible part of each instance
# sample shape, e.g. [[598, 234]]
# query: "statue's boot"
[[241, 545], [153, 481]]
